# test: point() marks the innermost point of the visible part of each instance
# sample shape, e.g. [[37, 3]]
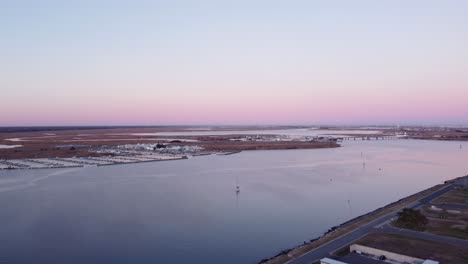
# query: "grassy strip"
[[448, 228]]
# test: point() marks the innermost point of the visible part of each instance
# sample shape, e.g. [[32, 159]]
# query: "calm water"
[[187, 211]]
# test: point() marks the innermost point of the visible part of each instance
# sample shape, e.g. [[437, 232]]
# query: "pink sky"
[[241, 63]]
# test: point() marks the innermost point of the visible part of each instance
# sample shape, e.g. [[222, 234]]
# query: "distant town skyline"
[[233, 63]]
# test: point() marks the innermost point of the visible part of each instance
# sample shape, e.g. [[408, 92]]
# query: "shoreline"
[[107, 157], [335, 232], [99, 161]]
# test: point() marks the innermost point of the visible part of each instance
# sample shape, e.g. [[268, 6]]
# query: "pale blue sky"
[[232, 62]]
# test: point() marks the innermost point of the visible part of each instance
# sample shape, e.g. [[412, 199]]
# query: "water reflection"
[[190, 211]]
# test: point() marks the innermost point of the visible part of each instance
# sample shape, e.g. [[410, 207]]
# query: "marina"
[[54, 163]]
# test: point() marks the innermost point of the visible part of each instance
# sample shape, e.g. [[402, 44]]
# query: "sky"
[[384, 62]]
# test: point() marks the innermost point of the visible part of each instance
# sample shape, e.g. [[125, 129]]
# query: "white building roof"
[[332, 261], [428, 261]]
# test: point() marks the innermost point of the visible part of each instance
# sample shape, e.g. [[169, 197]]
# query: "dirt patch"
[[418, 248], [449, 228]]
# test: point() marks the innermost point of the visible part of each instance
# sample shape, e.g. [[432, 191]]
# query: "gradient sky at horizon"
[[233, 62]]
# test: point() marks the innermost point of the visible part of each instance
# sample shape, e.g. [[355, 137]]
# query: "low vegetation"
[[411, 219]]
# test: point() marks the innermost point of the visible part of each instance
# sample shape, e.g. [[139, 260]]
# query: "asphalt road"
[[376, 225]]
